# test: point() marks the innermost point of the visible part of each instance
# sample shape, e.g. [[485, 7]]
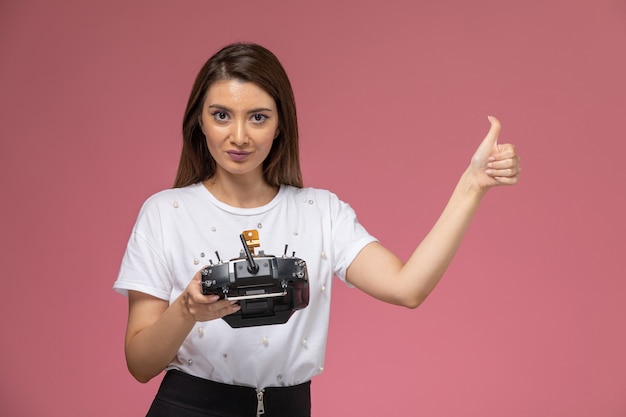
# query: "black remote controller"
[[269, 289]]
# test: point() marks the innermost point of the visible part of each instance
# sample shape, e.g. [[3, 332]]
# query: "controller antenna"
[[253, 268]]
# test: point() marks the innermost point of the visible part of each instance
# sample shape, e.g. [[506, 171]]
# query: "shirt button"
[[265, 342], [190, 362], [175, 204]]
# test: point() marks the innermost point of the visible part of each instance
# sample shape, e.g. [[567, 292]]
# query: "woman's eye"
[[220, 116], [259, 118]]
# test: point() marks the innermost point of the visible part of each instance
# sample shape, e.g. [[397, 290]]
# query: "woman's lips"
[[238, 155]]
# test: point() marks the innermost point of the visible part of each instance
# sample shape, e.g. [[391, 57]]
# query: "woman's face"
[[240, 122]]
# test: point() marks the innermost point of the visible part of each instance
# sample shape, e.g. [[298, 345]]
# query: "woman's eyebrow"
[[226, 108]]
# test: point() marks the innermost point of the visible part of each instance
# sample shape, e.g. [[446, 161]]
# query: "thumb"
[[490, 143]]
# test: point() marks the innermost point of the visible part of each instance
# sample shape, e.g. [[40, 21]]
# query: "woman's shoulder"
[[172, 196], [308, 192], [309, 195], [313, 197]]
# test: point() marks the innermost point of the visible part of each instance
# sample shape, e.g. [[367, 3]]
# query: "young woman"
[[239, 170]]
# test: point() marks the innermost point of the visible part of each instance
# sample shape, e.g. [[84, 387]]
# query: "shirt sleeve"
[[144, 267], [349, 236]]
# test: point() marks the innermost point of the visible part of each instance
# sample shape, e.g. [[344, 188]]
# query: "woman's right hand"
[[205, 307]]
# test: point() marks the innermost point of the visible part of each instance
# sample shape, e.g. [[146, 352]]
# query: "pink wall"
[[393, 98]]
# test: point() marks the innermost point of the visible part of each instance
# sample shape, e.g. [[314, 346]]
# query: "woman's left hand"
[[494, 164]]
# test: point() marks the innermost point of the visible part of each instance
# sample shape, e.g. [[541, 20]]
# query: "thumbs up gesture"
[[495, 164]]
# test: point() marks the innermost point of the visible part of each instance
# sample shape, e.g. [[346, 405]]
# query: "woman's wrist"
[[181, 305], [470, 184]]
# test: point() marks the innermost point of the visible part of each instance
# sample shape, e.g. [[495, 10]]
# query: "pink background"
[[393, 97]]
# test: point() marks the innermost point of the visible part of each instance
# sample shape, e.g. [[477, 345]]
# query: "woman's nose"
[[239, 134]]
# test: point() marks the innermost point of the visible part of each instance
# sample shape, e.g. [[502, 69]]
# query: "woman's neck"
[[240, 192]]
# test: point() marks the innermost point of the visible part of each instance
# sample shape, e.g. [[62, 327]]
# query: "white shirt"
[[179, 230]]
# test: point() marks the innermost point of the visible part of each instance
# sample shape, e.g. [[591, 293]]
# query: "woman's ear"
[[277, 133]]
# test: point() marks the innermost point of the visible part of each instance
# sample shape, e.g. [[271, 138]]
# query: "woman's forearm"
[[423, 270], [151, 348]]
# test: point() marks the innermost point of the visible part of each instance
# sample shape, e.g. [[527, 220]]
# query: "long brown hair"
[[249, 63]]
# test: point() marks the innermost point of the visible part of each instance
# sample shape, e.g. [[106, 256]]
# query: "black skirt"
[[184, 395]]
